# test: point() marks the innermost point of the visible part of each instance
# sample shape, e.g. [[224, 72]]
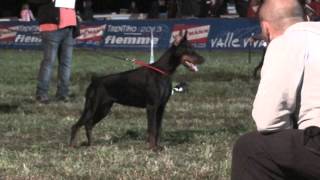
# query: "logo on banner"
[[91, 34], [20, 34], [236, 39], [133, 35], [7, 35], [197, 34]]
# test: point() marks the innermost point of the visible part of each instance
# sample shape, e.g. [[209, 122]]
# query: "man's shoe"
[[42, 99]]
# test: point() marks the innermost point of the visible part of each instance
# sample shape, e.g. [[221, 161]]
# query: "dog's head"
[[186, 53]]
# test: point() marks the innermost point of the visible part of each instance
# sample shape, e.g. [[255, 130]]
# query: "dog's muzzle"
[[191, 62]]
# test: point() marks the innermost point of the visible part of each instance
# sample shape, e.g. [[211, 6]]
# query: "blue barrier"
[[135, 34]]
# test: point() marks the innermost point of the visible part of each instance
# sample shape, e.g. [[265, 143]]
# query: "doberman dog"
[[141, 87]]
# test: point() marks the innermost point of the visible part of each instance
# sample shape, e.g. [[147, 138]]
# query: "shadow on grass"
[[128, 135], [8, 108], [172, 138], [188, 136], [37, 140]]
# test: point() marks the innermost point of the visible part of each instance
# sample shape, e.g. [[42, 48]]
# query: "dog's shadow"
[[178, 137], [15, 106], [170, 138], [8, 108]]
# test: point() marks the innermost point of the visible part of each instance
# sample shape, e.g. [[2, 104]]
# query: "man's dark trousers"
[[285, 155]]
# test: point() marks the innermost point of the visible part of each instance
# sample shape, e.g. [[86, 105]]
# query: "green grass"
[[199, 128]]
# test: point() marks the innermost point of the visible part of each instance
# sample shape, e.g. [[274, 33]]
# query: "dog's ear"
[[181, 33], [177, 38], [185, 37]]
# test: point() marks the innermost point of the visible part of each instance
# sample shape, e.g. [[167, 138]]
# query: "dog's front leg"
[[159, 117], [152, 127]]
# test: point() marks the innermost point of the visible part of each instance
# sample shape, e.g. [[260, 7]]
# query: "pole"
[[151, 49]]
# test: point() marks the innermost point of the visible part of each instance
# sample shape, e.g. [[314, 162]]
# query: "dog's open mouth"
[[191, 66], [187, 61]]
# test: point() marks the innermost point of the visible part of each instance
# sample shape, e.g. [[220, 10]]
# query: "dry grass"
[[199, 128]]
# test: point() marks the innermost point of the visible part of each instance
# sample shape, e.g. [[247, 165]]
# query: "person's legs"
[[250, 161], [50, 43], [281, 155], [65, 59]]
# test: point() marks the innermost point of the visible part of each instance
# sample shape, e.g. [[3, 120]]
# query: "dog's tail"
[[92, 98]]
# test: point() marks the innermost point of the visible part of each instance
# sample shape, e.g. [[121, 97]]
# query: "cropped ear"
[[181, 33], [185, 37], [177, 38]]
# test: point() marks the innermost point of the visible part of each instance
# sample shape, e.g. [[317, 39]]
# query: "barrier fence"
[[136, 34]]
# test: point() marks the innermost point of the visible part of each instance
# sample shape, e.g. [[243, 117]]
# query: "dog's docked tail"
[[91, 96]]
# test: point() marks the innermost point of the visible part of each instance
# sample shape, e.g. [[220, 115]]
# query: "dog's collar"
[[143, 64]]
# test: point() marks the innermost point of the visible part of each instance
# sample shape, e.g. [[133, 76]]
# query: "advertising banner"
[[231, 34], [136, 34], [91, 35], [19, 35]]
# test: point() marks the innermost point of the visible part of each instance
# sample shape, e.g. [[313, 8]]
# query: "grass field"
[[198, 132]]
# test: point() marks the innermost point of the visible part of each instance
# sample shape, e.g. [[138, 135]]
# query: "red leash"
[[140, 63], [143, 64]]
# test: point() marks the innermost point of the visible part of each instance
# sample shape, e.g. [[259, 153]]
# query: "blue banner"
[[136, 34], [19, 35]]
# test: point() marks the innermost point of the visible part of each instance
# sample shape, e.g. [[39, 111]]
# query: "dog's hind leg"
[[86, 115], [101, 112]]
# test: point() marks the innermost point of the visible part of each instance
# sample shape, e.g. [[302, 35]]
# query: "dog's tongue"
[[193, 67]]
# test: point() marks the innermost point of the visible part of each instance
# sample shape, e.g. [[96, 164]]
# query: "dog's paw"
[[72, 146], [156, 148]]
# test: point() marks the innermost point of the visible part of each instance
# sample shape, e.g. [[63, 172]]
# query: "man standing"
[[56, 27], [288, 97]]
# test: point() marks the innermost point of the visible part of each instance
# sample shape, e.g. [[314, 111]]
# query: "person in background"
[[26, 14], [87, 13], [253, 8], [172, 8], [154, 10], [242, 7], [314, 6], [57, 27], [163, 9], [133, 8], [286, 109]]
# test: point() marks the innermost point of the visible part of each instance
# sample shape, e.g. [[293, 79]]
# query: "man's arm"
[[281, 77]]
